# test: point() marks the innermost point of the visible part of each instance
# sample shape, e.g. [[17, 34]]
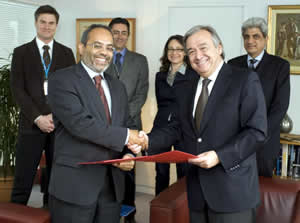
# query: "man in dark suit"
[[32, 63], [90, 127], [222, 119], [274, 74], [132, 69]]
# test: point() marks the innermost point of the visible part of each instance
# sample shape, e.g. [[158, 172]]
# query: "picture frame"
[[284, 34], [83, 23]]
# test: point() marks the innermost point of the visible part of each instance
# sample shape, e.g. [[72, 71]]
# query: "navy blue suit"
[[234, 124]]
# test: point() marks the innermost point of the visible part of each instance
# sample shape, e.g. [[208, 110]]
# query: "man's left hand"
[[127, 165], [206, 160]]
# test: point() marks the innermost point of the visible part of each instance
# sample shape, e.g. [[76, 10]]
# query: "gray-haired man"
[[274, 74]]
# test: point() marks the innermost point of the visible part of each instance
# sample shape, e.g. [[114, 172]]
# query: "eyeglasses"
[[100, 46], [175, 50]]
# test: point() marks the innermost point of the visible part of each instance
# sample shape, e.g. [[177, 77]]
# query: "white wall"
[[71, 10]]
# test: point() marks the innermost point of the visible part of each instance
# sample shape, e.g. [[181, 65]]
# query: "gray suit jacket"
[[134, 75], [83, 134]]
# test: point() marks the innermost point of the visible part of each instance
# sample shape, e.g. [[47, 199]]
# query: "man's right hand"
[[45, 123], [139, 142], [146, 140]]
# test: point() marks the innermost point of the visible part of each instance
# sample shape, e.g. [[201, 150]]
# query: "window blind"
[[16, 26]]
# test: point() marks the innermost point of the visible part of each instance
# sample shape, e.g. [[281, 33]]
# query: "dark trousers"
[[129, 198], [210, 216], [105, 210], [162, 178], [28, 155]]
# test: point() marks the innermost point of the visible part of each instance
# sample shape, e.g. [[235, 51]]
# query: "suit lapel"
[[35, 56], [92, 92], [244, 61], [217, 95], [263, 63], [114, 98], [191, 105], [191, 85], [55, 55], [126, 64]]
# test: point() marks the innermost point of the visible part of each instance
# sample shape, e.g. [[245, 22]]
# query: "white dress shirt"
[[104, 84], [258, 59], [40, 45], [210, 86]]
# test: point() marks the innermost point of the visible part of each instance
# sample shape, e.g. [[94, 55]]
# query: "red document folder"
[[167, 157]]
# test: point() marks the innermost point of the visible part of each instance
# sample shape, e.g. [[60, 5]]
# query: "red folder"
[[167, 157]]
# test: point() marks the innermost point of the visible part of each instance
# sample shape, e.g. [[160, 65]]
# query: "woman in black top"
[[174, 64]]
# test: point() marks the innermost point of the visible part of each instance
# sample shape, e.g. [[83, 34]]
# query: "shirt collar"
[[91, 73], [214, 75], [181, 69], [258, 58], [122, 52], [40, 44]]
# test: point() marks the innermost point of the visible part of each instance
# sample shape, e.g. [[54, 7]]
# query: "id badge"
[[46, 87]]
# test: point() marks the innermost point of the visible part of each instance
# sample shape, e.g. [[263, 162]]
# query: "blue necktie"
[[252, 62], [118, 62]]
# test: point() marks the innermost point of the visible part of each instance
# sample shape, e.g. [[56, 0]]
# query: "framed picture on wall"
[[284, 33], [83, 24]]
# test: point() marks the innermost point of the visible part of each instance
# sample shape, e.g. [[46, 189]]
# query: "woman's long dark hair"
[[165, 63]]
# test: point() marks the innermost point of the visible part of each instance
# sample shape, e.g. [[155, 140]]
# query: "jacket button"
[[199, 140]]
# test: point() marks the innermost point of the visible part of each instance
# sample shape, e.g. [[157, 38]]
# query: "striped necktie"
[[98, 80], [201, 102]]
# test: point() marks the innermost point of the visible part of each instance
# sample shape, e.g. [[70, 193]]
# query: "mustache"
[[103, 55]]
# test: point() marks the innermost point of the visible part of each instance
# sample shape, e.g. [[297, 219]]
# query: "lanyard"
[[46, 68]]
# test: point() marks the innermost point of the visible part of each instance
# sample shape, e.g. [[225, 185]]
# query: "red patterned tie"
[[102, 95]]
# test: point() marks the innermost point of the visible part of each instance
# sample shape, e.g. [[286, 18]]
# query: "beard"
[[87, 59]]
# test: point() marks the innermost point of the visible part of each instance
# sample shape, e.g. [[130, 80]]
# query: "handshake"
[[137, 141]]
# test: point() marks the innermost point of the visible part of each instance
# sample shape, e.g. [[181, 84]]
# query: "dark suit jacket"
[[234, 124], [274, 74], [83, 134], [165, 97], [134, 75], [27, 78]]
